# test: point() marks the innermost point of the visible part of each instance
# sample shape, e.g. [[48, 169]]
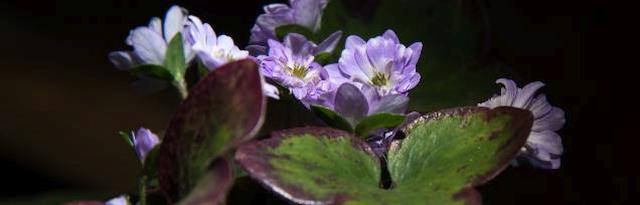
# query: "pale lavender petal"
[[546, 141], [275, 8], [298, 44], [539, 106], [121, 59], [416, 49], [329, 43], [174, 21], [308, 13], [270, 90], [354, 42], [389, 34], [156, 25], [509, 92], [397, 104], [554, 120], [210, 61], [525, 96], [148, 45], [351, 103]]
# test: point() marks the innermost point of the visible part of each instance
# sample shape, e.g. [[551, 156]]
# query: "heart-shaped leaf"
[[223, 109], [444, 155], [447, 153], [377, 121], [332, 118], [213, 186]]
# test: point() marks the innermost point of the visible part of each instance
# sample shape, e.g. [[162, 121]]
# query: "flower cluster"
[[362, 89], [373, 76]]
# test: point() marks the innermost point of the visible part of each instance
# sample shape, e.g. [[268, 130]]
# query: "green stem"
[[143, 190], [182, 88]]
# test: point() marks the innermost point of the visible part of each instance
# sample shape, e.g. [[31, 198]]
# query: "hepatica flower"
[[544, 146], [150, 42], [375, 76], [143, 141], [214, 51], [381, 63], [291, 64], [307, 13]]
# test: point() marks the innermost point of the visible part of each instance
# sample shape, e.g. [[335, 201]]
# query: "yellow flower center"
[[380, 79], [298, 71]]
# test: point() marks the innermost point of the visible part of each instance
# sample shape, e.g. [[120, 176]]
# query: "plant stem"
[[181, 85], [143, 190]]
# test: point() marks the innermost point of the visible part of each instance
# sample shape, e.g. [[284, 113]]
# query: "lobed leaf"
[[444, 155]]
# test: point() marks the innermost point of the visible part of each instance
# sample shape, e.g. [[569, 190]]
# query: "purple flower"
[[214, 51], [381, 63], [150, 42], [307, 13], [291, 65], [544, 146], [143, 141]]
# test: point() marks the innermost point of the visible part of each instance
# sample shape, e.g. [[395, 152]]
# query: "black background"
[[61, 102]]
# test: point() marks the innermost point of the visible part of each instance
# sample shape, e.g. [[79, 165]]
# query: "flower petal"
[[354, 42], [390, 35], [397, 103], [351, 103], [121, 59], [174, 21], [526, 95], [553, 120], [329, 43], [148, 45]]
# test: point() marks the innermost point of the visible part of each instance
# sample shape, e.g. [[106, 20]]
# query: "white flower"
[[215, 51], [150, 42], [544, 146]]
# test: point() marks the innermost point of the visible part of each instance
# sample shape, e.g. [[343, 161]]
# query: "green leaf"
[[151, 70], [332, 118], [222, 110], [324, 58], [282, 31], [444, 155], [126, 137], [377, 121], [202, 70], [447, 153], [312, 165], [174, 57]]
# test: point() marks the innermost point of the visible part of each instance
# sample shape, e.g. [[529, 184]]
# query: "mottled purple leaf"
[[223, 109]]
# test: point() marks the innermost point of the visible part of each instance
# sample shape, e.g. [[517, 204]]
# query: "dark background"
[[62, 102]]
